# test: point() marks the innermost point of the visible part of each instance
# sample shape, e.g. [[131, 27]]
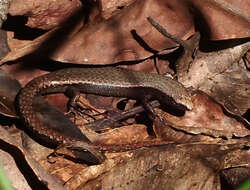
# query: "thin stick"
[[166, 34]]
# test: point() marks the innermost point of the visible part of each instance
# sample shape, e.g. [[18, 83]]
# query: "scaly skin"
[[107, 81]]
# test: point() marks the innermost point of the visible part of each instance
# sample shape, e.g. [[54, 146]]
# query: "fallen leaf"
[[207, 118]]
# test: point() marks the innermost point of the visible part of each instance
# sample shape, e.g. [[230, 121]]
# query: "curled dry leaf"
[[167, 132], [169, 167], [118, 41], [232, 89], [207, 65], [8, 163], [24, 160], [219, 75], [113, 40], [44, 14], [207, 118], [224, 19]]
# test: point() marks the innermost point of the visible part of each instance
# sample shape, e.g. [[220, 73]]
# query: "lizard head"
[[184, 100]]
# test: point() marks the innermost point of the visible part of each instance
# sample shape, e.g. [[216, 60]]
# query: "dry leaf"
[[207, 118]]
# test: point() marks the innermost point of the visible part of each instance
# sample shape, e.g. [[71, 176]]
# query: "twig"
[[105, 123], [168, 35]]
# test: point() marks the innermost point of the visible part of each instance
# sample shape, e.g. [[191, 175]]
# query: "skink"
[[107, 81]]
